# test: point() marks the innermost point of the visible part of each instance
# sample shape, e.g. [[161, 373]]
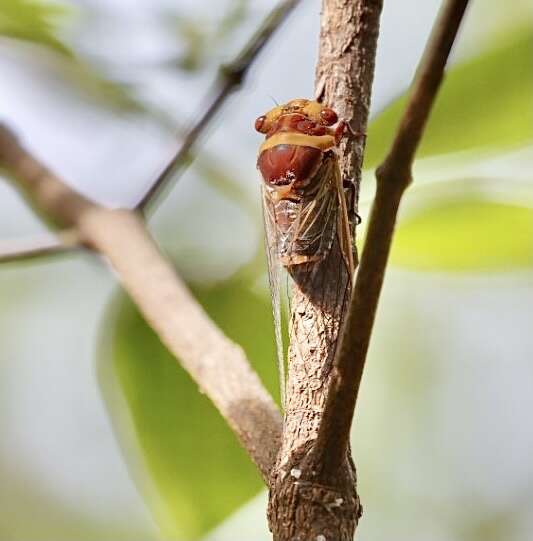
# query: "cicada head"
[[314, 117], [298, 134]]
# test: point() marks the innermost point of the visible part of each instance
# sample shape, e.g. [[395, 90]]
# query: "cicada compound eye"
[[261, 124], [328, 116]]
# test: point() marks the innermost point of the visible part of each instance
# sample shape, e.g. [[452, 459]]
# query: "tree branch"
[[393, 177], [303, 506], [217, 365], [345, 72], [23, 249], [230, 79], [225, 375]]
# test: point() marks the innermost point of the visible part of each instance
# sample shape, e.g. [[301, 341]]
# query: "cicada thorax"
[[298, 165]]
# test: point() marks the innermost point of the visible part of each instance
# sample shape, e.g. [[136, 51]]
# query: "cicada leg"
[[342, 128]]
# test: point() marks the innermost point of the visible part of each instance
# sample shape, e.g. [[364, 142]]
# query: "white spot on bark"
[[320, 538], [296, 473], [339, 502]]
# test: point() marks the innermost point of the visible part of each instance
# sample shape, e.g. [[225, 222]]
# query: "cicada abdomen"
[[305, 206]]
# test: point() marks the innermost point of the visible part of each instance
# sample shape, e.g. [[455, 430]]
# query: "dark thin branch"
[[42, 246], [393, 177], [230, 79]]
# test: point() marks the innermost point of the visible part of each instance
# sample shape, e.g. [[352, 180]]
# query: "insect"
[[307, 210]]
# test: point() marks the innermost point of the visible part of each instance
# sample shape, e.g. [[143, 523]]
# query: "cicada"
[[307, 209]]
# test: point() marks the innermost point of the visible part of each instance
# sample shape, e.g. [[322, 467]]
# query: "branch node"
[[396, 176], [233, 74]]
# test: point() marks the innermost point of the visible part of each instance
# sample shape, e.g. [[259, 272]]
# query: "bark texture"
[[307, 503], [303, 505], [345, 72]]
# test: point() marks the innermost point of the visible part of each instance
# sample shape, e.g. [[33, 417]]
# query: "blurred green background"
[[104, 436]]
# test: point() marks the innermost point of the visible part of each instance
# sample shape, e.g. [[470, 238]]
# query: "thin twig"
[[218, 365], [230, 79], [393, 177], [34, 247]]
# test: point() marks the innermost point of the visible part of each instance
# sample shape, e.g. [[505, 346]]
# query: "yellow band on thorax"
[[321, 142]]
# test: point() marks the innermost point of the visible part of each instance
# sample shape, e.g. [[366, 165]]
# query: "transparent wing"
[[275, 271], [345, 225], [314, 228], [312, 239], [321, 251]]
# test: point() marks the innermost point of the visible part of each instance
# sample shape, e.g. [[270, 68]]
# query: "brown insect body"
[[304, 204], [287, 164], [302, 185]]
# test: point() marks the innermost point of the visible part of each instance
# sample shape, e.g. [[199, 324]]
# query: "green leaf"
[[194, 38], [33, 20], [484, 102], [224, 180], [91, 82], [197, 469], [200, 37], [38, 22], [466, 234], [232, 19]]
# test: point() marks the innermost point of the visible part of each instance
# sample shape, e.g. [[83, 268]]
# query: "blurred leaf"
[[194, 38], [466, 234], [484, 102], [199, 471], [231, 20], [214, 173], [490, 525], [200, 38], [33, 20], [98, 86], [37, 22]]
